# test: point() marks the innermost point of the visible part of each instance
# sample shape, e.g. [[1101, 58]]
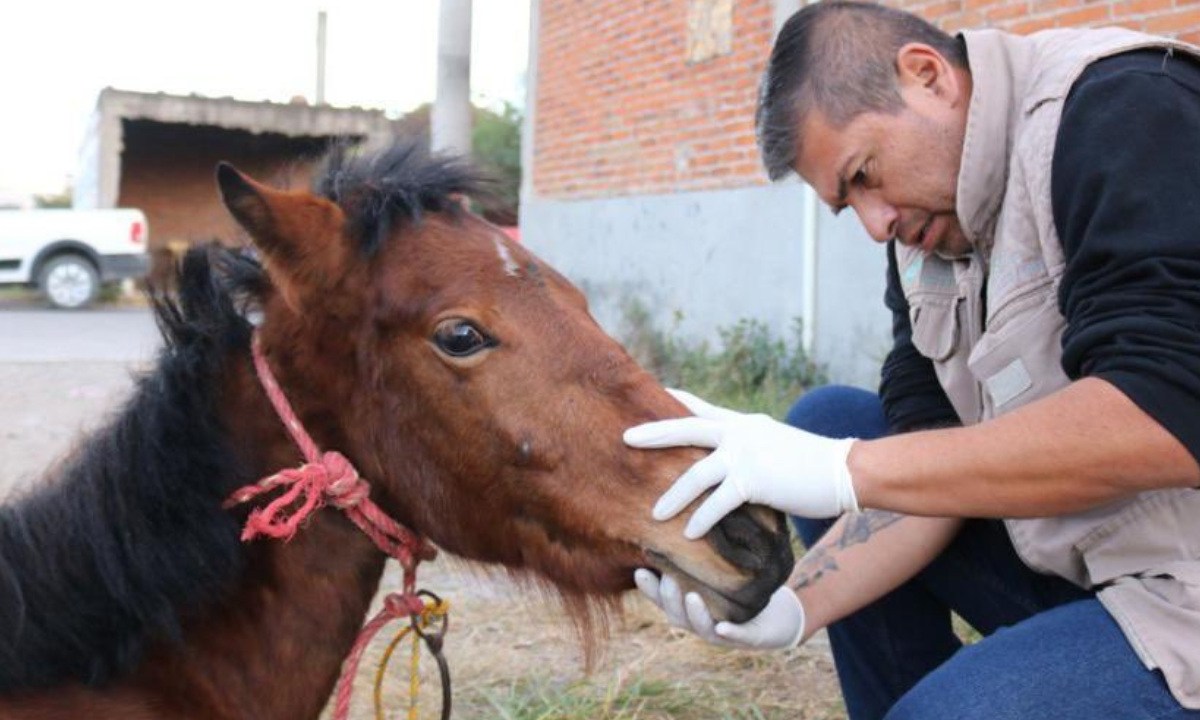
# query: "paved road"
[[30, 334], [61, 374]]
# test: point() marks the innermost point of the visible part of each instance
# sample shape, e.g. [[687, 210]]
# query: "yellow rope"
[[432, 611]]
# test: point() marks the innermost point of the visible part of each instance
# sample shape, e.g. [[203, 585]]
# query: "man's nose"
[[879, 218]]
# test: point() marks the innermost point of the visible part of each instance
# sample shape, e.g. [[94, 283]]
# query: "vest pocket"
[[1021, 361], [1155, 534], [935, 325]]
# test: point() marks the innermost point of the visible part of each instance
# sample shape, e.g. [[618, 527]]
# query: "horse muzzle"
[[756, 542]]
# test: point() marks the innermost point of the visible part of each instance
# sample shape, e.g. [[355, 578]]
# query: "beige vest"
[[1142, 553]]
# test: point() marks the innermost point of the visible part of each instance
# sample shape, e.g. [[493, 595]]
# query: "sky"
[[56, 57]]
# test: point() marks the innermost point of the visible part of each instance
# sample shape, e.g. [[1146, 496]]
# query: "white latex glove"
[[779, 626], [755, 460]]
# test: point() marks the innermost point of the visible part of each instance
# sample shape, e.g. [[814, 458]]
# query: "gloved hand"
[[779, 626], [756, 460]]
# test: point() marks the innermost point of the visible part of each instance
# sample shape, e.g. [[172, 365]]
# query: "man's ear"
[[921, 68], [299, 235]]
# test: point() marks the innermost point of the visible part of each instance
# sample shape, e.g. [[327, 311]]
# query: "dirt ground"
[[512, 654]]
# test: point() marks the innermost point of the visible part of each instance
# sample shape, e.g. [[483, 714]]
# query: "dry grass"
[[514, 656]]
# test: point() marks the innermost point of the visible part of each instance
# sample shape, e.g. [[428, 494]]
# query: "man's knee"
[[839, 411], [933, 699]]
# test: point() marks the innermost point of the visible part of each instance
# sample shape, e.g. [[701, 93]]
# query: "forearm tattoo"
[[859, 527], [856, 529], [813, 566]]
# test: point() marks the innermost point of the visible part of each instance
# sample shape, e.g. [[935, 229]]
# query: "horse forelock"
[[380, 192], [112, 551]]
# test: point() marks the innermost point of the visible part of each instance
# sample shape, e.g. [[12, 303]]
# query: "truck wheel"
[[69, 281]]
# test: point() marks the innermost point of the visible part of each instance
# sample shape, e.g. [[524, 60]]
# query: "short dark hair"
[[838, 56]]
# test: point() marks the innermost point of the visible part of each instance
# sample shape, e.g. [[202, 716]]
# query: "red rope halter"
[[330, 478]]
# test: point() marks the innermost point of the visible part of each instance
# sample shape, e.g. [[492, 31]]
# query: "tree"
[[496, 142]]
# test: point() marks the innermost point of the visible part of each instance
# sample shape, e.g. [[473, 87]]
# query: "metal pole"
[[320, 57], [531, 81], [810, 230], [451, 119]]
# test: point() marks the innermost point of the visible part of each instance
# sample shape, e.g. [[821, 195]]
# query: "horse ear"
[[253, 205], [248, 202], [292, 230]]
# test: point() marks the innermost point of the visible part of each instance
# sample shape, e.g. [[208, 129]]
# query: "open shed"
[[158, 152]]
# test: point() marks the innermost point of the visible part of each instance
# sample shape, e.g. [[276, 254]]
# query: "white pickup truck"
[[69, 254]]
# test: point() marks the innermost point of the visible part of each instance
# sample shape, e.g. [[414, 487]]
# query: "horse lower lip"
[[665, 565]]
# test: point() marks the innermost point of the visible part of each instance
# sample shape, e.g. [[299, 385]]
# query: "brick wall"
[[623, 110], [1174, 18]]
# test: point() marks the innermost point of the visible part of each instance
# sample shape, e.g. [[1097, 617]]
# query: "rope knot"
[[332, 477], [342, 483], [401, 605]]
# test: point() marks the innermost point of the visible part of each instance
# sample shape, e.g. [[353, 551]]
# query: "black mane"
[[396, 184], [130, 536]]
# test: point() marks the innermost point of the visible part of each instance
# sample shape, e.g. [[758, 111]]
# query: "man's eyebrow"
[[842, 185]]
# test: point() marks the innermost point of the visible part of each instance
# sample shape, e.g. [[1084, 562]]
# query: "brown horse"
[[460, 374]]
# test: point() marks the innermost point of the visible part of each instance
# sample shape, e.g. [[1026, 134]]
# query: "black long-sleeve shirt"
[[1125, 192]]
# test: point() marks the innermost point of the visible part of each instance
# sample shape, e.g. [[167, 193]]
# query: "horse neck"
[[274, 649]]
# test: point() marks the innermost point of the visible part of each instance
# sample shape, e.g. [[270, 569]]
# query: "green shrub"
[[751, 370]]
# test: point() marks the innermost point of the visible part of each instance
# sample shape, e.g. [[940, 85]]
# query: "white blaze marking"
[[510, 265]]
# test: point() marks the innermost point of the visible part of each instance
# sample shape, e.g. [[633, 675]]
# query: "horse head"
[[467, 381]]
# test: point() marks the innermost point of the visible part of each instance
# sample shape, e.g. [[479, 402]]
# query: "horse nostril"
[[755, 540], [743, 541]]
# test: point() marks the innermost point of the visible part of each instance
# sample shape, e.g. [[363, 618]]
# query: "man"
[[1040, 201]]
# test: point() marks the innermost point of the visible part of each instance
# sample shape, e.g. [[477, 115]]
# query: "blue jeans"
[[1050, 649]]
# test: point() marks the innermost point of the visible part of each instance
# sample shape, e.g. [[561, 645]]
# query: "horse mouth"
[[755, 541], [665, 566], [737, 606]]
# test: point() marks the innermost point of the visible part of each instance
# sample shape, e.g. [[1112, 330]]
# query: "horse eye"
[[460, 338]]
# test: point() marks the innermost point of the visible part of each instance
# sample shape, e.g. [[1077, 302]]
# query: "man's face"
[[898, 172]]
